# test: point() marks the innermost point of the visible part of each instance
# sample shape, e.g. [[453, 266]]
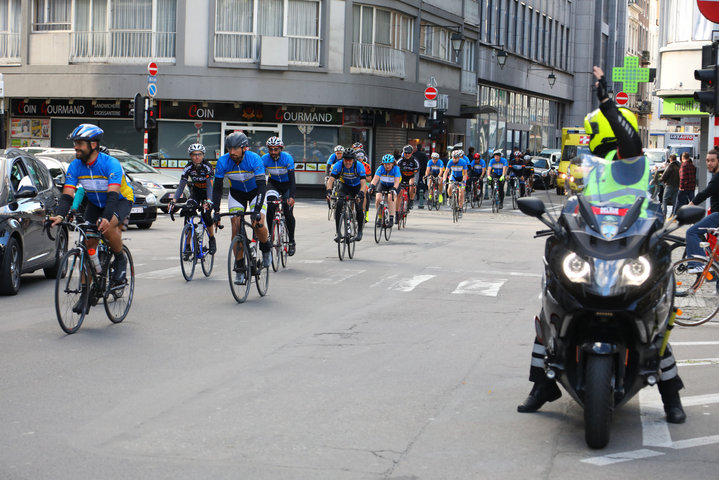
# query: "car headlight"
[[149, 184], [576, 269], [151, 199], [636, 272], [562, 175]]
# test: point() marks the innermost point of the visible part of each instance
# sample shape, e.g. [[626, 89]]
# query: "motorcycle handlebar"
[[543, 233]]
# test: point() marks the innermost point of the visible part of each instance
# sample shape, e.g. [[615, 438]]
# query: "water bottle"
[[95, 257]]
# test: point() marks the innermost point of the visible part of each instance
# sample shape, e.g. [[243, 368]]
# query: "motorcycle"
[[607, 288]]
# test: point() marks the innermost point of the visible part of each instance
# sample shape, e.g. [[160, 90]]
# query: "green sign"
[[681, 107], [631, 74]]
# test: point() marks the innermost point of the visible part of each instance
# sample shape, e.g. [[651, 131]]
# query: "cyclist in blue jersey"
[[477, 171], [108, 192], [352, 177], [334, 158], [498, 169], [434, 174], [246, 173], [280, 168], [386, 179], [456, 170]]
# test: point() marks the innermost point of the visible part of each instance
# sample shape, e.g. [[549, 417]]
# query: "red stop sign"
[[710, 9], [430, 93], [621, 98], [152, 68]]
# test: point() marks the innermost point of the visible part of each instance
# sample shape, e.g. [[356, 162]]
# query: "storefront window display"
[[119, 134], [173, 138]]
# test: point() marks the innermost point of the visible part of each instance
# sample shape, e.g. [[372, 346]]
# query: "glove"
[[371, 188], [171, 206], [602, 93], [329, 193], [501, 179], [360, 196], [256, 216], [216, 217]]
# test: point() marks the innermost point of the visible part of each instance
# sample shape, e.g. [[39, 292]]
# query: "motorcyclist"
[[613, 135]]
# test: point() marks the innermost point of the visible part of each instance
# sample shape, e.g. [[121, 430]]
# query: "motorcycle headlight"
[[636, 271], [576, 269], [562, 175]]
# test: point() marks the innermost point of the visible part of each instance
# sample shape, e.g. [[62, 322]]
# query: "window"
[[434, 41], [512, 28], [51, 15], [239, 23], [10, 30], [124, 31], [379, 37], [519, 35]]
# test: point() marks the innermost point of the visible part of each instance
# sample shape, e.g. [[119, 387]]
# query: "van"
[[551, 154], [575, 142]]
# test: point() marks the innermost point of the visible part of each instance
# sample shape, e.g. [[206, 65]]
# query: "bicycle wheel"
[[188, 256], [118, 297], [495, 201], [208, 259], [695, 294], [352, 227], [341, 243], [473, 195], [453, 205], [480, 197], [677, 251], [68, 290], [262, 273], [239, 290], [387, 227], [378, 224], [285, 244], [276, 243], [514, 198]]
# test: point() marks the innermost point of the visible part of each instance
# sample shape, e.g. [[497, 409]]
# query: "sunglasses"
[[274, 149]]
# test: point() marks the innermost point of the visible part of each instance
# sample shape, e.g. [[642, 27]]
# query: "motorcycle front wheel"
[[598, 400]]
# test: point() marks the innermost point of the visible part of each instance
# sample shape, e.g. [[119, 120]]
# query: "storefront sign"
[[64, 108], [250, 113], [681, 107]]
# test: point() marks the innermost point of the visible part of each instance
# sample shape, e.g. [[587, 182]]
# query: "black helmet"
[[348, 155], [236, 140], [407, 149]]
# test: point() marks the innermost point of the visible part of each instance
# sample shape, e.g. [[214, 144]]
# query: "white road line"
[[479, 287], [694, 344], [695, 442], [696, 400], [655, 430], [335, 277], [161, 274], [384, 281], [612, 458], [696, 362], [409, 284]]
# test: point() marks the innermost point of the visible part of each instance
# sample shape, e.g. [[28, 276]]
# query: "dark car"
[[144, 210], [545, 175], [27, 195]]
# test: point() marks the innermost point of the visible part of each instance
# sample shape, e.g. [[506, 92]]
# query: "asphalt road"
[[406, 362]]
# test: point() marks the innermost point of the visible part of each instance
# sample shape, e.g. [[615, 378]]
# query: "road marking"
[[694, 344], [161, 274], [694, 362], [409, 284], [613, 458], [335, 277], [479, 287], [655, 429]]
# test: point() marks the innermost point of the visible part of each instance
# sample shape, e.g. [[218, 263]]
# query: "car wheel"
[[51, 272], [11, 268], [144, 226], [164, 209]]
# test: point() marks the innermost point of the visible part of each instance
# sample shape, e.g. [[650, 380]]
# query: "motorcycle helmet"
[[601, 136]]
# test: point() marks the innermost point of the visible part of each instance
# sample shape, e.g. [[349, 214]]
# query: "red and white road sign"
[[430, 93], [621, 98], [710, 9], [584, 140], [152, 68]]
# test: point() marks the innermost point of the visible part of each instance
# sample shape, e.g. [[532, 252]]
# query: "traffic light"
[[137, 110], [152, 113], [708, 96], [437, 127]]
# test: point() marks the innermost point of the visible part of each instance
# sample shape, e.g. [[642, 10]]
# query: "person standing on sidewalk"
[[670, 178], [687, 181]]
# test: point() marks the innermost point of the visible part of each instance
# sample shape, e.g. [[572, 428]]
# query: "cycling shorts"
[[122, 211]]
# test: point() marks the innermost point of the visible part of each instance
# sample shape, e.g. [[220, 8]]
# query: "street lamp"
[[501, 58], [457, 40], [551, 78]]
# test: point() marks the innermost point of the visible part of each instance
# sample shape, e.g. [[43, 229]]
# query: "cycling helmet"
[[275, 142], [360, 155], [407, 149], [348, 155], [196, 147], [435, 155], [236, 140], [457, 153], [527, 157], [339, 148], [87, 132], [389, 158], [357, 146], [477, 156], [601, 136]]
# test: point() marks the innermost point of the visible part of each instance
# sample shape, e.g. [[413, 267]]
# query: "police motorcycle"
[[607, 288]]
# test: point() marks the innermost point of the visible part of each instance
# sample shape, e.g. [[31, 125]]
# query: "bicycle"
[[74, 294], [513, 186], [454, 199], [433, 201], [695, 292], [250, 262], [332, 201], [495, 197], [348, 228], [279, 236], [382, 223], [194, 241], [401, 213], [476, 194]]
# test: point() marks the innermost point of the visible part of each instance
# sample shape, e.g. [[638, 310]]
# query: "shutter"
[[387, 140]]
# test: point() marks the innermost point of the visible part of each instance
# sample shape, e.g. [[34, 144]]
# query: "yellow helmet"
[[601, 135]]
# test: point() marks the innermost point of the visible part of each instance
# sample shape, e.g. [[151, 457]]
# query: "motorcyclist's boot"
[[673, 408], [542, 392]]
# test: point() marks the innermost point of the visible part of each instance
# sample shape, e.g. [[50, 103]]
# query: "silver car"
[[161, 184]]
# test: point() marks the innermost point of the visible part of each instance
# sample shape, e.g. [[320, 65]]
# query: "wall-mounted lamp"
[[501, 58], [457, 40], [551, 78]]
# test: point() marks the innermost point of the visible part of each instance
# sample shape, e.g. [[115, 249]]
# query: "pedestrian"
[[670, 178], [687, 181], [695, 233]]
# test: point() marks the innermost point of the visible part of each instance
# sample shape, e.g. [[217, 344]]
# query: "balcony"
[[122, 46], [377, 60], [469, 82], [9, 47], [238, 47]]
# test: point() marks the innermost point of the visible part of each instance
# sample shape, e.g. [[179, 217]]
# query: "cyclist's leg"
[[261, 231], [501, 192], [289, 216], [237, 206]]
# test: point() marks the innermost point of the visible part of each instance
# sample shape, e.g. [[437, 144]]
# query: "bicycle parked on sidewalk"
[[245, 258], [80, 283], [194, 241]]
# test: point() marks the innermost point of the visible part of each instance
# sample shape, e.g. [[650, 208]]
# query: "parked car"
[[27, 195], [553, 154], [161, 184], [144, 210], [545, 174]]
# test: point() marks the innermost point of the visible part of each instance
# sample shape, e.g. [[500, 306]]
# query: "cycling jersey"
[[96, 177], [197, 177], [387, 178], [497, 165], [351, 176], [243, 177], [477, 167], [332, 160], [516, 167], [368, 168], [435, 166], [457, 168], [408, 166], [278, 170]]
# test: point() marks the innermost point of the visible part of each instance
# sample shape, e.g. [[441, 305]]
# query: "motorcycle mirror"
[[687, 214], [531, 206]]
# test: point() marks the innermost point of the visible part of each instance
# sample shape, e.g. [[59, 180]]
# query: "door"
[[257, 135], [30, 214]]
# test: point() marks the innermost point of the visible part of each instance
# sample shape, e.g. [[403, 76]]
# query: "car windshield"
[[54, 167], [63, 157], [655, 157], [133, 165], [540, 163]]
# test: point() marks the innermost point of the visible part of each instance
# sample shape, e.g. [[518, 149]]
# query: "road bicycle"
[[696, 292], [513, 189], [79, 285], [332, 201], [401, 213], [454, 199], [495, 196], [279, 236], [245, 256], [347, 228], [433, 192], [382, 221], [476, 194], [194, 241]]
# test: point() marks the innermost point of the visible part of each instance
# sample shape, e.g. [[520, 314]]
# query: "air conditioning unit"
[[274, 53]]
